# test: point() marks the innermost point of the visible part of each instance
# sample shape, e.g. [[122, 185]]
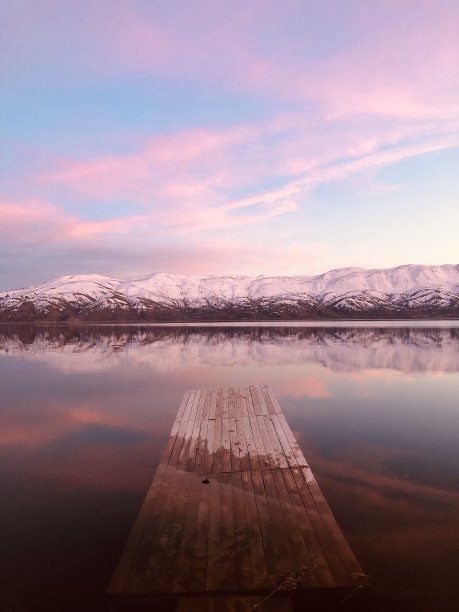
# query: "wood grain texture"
[[233, 506]]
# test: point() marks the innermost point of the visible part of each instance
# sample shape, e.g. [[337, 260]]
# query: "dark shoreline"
[[248, 322]]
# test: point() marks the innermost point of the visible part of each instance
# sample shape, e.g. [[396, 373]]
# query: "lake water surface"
[[85, 413]]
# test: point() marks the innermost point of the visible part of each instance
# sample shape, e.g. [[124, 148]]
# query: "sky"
[[227, 137]]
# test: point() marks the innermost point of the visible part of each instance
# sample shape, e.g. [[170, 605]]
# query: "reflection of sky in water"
[[85, 414]]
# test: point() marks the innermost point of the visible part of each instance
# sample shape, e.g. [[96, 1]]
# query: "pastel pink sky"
[[203, 137]]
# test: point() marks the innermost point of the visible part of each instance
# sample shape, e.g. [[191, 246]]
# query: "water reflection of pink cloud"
[[53, 421], [304, 386], [403, 533]]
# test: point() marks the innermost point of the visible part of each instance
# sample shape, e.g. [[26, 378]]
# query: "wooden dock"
[[233, 508]]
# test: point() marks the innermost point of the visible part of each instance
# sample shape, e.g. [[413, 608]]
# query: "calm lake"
[[85, 413]]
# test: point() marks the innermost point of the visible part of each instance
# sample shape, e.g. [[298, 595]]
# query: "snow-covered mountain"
[[411, 291]]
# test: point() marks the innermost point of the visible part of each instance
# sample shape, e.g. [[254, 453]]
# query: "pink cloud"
[[31, 220], [184, 181], [393, 59]]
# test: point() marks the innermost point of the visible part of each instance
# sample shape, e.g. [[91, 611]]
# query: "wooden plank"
[[219, 407], [237, 401], [164, 577], [260, 574], [181, 571], [214, 573], [275, 442], [189, 406], [348, 559], [296, 451], [226, 445], [249, 401], [269, 402], [225, 403], [298, 550], [206, 406], [271, 457], [264, 408], [213, 404], [200, 407], [270, 545], [272, 397], [243, 566], [179, 440], [263, 461], [202, 449], [227, 547], [319, 566], [218, 449], [192, 453], [285, 562], [189, 415], [231, 403], [170, 443], [243, 397], [209, 456], [199, 561], [184, 451], [255, 462], [123, 579], [183, 405], [235, 446], [334, 561], [244, 459], [255, 400], [155, 538], [286, 448]]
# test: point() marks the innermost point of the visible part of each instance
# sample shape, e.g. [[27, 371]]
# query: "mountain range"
[[410, 291]]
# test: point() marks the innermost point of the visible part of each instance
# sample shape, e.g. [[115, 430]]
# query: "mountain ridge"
[[408, 291]]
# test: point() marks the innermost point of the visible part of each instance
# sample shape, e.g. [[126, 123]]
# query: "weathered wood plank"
[[296, 451], [235, 445], [199, 561], [193, 450], [181, 571], [244, 408], [225, 403], [214, 560], [243, 566], [156, 536], [189, 406], [318, 563], [213, 405], [227, 552], [270, 544], [183, 405], [334, 562], [271, 456], [276, 444], [209, 456], [255, 462], [263, 460], [244, 463], [226, 445], [343, 548], [260, 573], [286, 447], [218, 448], [249, 401]]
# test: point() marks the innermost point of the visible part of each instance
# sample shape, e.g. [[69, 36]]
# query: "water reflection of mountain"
[[339, 348]]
